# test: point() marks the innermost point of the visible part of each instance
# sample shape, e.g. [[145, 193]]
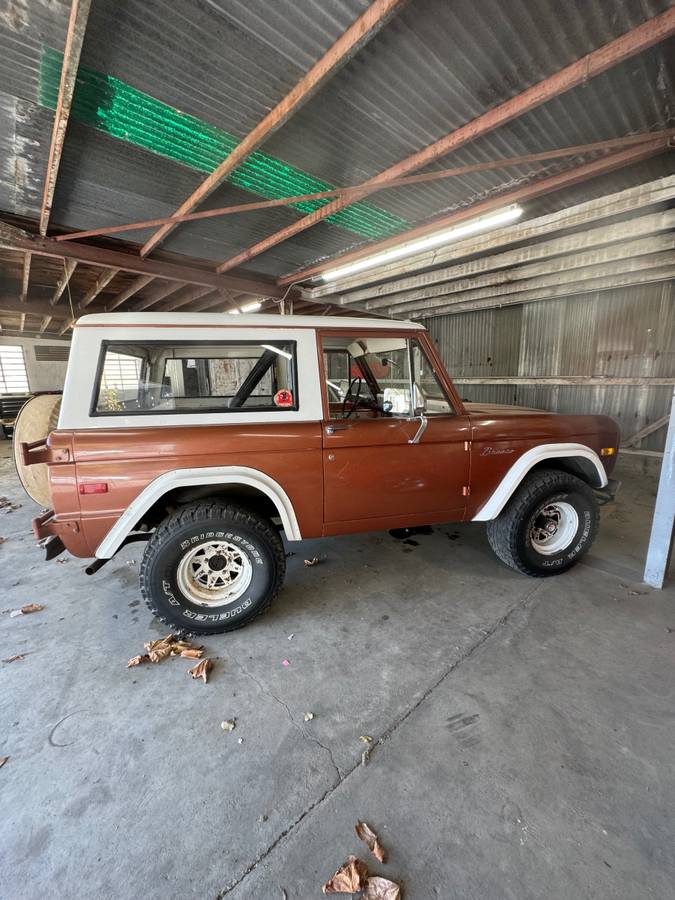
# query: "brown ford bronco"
[[207, 435]]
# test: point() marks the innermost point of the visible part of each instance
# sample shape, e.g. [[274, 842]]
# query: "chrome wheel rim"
[[553, 527], [215, 573]]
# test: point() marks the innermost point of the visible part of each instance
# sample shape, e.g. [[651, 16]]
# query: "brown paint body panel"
[[371, 471], [129, 459], [500, 435]]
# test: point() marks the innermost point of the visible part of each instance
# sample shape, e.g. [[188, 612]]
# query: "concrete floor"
[[523, 729]]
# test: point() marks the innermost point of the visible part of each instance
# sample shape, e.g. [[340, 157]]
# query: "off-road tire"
[[186, 527], [509, 533]]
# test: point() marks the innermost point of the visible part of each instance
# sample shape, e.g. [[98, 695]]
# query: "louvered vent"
[[52, 352]]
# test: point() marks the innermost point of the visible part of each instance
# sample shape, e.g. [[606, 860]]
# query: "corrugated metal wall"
[[626, 332]]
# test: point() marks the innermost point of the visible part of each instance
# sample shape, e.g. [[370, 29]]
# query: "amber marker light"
[[608, 451]]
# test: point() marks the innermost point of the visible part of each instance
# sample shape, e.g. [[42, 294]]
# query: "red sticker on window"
[[283, 398]]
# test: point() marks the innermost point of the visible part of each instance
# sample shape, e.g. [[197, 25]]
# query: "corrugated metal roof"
[[433, 67]]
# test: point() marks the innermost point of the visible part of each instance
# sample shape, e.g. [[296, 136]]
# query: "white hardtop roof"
[[254, 320]]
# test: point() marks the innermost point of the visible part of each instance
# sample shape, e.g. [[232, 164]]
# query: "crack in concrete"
[[308, 737], [385, 736]]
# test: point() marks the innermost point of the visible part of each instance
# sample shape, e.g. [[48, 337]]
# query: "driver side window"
[[367, 377]]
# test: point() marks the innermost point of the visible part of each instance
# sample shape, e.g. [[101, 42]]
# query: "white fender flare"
[[506, 487], [179, 478]]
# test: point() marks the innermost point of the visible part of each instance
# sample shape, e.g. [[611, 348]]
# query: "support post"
[[661, 539]]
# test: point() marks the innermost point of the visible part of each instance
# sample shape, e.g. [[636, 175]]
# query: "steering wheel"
[[351, 397]]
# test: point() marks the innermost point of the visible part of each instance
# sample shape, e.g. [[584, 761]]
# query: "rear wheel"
[[212, 567], [548, 524]]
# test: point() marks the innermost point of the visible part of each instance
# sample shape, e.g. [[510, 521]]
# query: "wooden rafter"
[[136, 285], [534, 189], [77, 24], [255, 206], [68, 269], [79, 13], [633, 42], [410, 272], [586, 285], [346, 45], [13, 238], [508, 281], [101, 283], [157, 295]]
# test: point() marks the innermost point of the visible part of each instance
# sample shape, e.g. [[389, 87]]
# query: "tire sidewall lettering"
[[227, 536]]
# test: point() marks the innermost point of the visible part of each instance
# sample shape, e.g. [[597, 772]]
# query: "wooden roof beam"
[[365, 27], [12, 238], [425, 177], [534, 189], [584, 286], [632, 238], [633, 42], [526, 233], [68, 269], [79, 13]]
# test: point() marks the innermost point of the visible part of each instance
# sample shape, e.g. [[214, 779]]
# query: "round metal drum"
[[37, 418]]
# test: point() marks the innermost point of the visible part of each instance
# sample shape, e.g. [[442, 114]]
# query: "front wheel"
[[548, 524], [212, 567]]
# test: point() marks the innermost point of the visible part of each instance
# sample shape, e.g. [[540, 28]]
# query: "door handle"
[[331, 429], [420, 431]]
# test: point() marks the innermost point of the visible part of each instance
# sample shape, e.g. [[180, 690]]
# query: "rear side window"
[[183, 377]]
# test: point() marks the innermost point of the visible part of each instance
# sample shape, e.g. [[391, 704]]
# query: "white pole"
[[661, 539]]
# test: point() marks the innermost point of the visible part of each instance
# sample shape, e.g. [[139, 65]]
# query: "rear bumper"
[[49, 523], [49, 531]]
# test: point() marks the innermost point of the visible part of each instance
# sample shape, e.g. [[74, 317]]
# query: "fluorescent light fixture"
[[483, 223], [277, 350], [234, 312], [251, 307]]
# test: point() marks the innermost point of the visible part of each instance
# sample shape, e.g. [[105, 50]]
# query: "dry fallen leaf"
[[177, 647], [161, 642], [312, 562], [349, 878], [370, 839], [3, 760], [378, 888], [366, 738], [228, 725], [172, 646], [15, 658], [168, 646], [137, 660], [308, 716], [31, 608], [201, 670]]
